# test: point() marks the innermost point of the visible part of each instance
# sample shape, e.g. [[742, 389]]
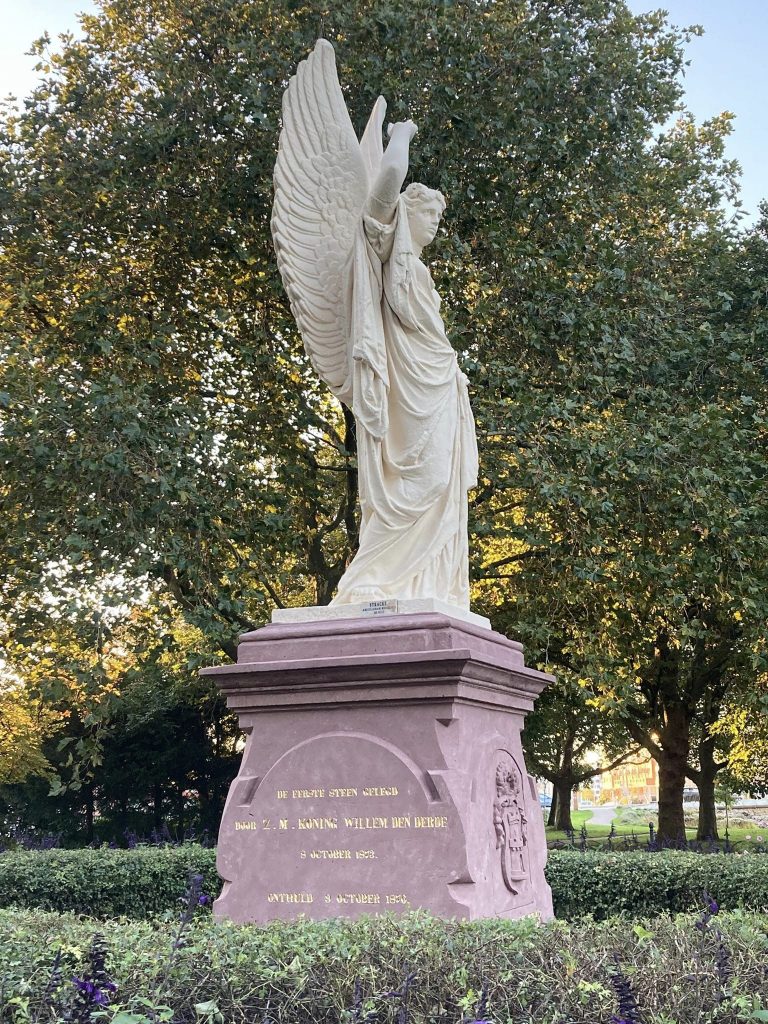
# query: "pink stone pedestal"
[[382, 772]]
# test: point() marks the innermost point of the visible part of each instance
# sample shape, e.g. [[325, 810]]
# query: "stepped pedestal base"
[[382, 772]]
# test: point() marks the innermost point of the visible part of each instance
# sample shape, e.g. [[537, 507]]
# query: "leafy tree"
[[134, 744], [743, 727], [160, 420], [650, 565], [156, 390], [25, 723], [171, 751], [565, 726]]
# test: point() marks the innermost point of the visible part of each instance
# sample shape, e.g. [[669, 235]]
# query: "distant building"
[[635, 782]]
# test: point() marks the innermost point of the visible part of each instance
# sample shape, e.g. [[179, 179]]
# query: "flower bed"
[[414, 969]]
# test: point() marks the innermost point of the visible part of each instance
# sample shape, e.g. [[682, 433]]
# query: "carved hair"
[[416, 194]]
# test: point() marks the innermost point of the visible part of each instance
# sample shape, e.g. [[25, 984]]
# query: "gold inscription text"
[[358, 897], [336, 792], [366, 823], [290, 897]]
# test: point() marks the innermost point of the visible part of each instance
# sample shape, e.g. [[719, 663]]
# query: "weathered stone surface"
[[382, 772]]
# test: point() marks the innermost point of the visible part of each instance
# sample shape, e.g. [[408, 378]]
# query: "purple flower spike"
[[93, 993], [629, 1011]]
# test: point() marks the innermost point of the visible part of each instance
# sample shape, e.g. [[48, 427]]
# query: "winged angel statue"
[[349, 246]]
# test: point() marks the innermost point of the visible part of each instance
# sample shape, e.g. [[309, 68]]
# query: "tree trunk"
[[324, 588], [205, 811], [90, 835], [122, 815], [671, 786], [563, 788], [157, 805], [563, 783], [705, 782], [673, 764], [552, 810], [179, 801], [707, 824], [351, 522]]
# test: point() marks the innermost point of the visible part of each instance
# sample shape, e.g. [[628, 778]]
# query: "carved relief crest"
[[510, 822]]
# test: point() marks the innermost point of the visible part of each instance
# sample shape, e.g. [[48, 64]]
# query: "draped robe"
[[417, 450]]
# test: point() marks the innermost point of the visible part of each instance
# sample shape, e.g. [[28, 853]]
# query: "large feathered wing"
[[321, 187]]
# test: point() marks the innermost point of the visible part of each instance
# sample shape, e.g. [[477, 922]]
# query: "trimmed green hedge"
[[316, 973], [149, 880], [640, 884], [105, 883]]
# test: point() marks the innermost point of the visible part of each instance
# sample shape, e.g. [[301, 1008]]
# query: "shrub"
[[149, 880], [339, 971], [643, 884], [105, 883]]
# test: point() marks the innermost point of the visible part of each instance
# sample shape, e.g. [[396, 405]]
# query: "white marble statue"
[[349, 247]]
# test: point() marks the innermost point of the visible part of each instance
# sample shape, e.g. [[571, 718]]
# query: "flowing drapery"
[[417, 450]]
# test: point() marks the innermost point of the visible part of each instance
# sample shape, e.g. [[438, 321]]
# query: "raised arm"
[[394, 167]]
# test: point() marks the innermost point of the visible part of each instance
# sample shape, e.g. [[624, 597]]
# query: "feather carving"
[[321, 188]]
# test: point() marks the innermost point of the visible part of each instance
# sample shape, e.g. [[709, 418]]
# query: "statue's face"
[[424, 220]]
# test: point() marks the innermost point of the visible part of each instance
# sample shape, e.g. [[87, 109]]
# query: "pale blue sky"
[[728, 70]]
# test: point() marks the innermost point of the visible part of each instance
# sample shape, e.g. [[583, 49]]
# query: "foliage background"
[[172, 470]]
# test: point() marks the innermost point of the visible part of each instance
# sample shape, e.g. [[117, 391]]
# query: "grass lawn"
[[597, 834], [636, 819]]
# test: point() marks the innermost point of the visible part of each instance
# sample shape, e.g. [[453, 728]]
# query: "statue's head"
[[425, 208]]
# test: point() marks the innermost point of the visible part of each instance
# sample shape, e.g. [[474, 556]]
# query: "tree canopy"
[[161, 428]]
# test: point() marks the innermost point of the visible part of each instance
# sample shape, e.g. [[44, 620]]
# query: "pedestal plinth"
[[382, 772]]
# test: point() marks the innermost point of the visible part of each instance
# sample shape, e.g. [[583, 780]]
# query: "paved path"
[[601, 816]]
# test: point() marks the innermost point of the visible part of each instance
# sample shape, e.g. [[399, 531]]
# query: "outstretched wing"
[[321, 186]]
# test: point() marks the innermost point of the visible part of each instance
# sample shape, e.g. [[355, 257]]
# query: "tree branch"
[[530, 553], [190, 599], [609, 768], [641, 737], [271, 591]]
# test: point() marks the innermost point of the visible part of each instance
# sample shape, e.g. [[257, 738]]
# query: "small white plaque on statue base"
[[379, 608], [410, 606]]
